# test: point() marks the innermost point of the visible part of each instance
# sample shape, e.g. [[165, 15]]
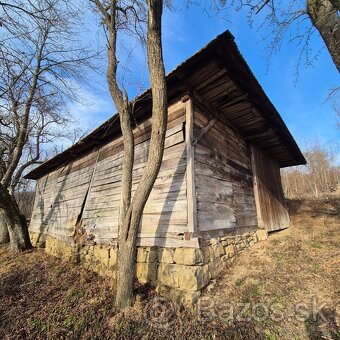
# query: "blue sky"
[[301, 100]]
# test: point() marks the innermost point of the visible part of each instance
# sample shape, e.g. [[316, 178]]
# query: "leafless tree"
[[320, 177], [324, 15], [337, 112], [295, 20], [117, 15], [24, 196], [41, 60], [25, 9]]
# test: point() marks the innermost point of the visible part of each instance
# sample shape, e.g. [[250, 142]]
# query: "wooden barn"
[[217, 192]]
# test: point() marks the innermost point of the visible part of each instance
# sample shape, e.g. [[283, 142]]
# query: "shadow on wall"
[[170, 201], [179, 176], [269, 187], [46, 219]]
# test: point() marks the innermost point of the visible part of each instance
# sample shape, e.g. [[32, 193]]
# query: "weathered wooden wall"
[[224, 189], [59, 197], [204, 187], [90, 186], [271, 210]]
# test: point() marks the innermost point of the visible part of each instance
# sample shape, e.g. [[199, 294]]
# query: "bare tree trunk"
[[4, 235], [15, 221], [128, 233], [325, 17], [131, 211]]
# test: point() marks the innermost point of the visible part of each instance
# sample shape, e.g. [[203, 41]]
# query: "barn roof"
[[219, 76]]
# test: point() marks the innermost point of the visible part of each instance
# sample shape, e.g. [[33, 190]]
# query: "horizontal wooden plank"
[[215, 197], [205, 223], [114, 200], [114, 163], [224, 187], [173, 164], [204, 183], [153, 207], [168, 182], [215, 209], [239, 230]]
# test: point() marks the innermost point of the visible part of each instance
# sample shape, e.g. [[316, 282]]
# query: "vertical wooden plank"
[[190, 172], [285, 215], [87, 194], [256, 188], [270, 204]]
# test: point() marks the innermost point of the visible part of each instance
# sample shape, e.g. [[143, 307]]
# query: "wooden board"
[[191, 189], [270, 204], [92, 184], [224, 190]]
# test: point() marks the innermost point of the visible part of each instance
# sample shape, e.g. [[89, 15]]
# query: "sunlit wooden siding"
[[88, 190], [59, 197], [271, 210], [225, 197]]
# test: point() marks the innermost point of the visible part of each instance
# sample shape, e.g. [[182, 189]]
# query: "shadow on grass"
[[323, 325], [294, 205], [316, 207]]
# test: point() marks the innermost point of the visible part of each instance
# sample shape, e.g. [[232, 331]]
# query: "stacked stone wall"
[[180, 273]]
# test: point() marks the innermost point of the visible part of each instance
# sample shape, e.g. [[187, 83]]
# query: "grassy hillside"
[[284, 288]]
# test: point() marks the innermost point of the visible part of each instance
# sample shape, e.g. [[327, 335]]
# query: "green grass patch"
[[80, 325], [279, 258], [252, 292], [317, 245], [38, 324], [316, 268], [69, 321], [240, 282], [60, 271], [269, 335], [256, 291], [78, 293], [277, 299]]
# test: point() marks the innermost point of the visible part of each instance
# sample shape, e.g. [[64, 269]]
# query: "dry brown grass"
[[42, 297], [279, 281]]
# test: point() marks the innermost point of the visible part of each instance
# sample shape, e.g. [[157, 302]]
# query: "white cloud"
[[94, 108]]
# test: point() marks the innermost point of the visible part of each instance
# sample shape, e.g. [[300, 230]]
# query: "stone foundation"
[[180, 273]]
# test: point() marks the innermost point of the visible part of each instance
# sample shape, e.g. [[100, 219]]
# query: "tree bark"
[[4, 235], [15, 221], [128, 233], [122, 104], [131, 211], [324, 16]]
